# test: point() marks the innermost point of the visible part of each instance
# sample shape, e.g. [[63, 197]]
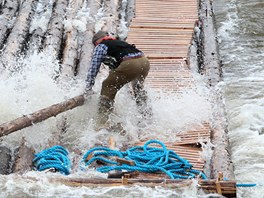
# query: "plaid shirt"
[[100, 51]]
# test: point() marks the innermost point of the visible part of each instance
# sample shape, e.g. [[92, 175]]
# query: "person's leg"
[[140, 94], [116, 79]]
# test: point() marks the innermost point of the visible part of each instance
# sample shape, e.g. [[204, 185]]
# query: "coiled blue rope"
[[147, 159], [54, 157]]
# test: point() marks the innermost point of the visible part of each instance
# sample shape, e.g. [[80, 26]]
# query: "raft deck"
[[164, 30]]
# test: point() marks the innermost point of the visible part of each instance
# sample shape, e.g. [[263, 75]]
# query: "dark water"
[[240, 28]]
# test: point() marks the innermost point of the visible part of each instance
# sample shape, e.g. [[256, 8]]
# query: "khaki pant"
[[134, 71]]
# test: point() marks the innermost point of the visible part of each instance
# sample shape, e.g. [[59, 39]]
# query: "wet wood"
[[38, 116], [37, 34], [70, 52], [211, 64], [228, 188], [54, 35], [23, 158], [5, 156], [87, 45], [8, 13], [16, 39], [221, 161]]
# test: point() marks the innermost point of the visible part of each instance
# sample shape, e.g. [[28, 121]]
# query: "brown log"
[[24, 158], [8, 12], [228, 188], [38, 116]]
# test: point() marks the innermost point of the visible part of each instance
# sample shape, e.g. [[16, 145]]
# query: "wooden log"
[[5, 156], [130, 11], [54, 35], [221, 161], [38, 116], [211, 64], [38, 32], [111, 13], [24, 158], [228, 188], [16, 39], [70, 51], [87, 46], [8, 13]]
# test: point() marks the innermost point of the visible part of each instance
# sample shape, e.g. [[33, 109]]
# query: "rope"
[[54, 157], [246, 185], [147, 159]]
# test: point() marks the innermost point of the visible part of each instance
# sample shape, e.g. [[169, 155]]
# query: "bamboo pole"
[[38, 116]]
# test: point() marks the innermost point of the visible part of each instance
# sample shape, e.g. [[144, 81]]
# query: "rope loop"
[[146, 159], [54, 157]]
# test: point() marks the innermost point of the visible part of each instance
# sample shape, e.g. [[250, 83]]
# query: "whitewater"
[[32, 82], [240, 28]]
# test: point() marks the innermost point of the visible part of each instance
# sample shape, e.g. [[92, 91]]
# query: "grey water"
[[240, 32]]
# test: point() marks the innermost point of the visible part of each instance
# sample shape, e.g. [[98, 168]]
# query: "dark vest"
[[118, 49]]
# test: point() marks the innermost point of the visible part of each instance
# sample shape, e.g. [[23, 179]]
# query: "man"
[[127, 64]]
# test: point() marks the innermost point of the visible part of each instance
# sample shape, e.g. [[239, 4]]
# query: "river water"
[[240, 34], [240, 28]]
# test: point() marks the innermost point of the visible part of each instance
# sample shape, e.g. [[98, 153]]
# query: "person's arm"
[[99, 53]]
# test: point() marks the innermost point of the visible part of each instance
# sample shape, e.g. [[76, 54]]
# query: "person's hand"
[[88, 92]]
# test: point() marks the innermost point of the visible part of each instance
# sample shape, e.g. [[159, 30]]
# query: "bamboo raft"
[[164, 31]]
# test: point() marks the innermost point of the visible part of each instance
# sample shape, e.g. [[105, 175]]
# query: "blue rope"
[[54, 157], [246, 185], [147, 159]]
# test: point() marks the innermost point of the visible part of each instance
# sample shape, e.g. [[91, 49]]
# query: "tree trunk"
[[5, 156], [37, 34], [111, 16], [16, 39], [8, 13], [87, 46], [221, 161], [70, 52], [54, 35], [24, 158], [38, 116]]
